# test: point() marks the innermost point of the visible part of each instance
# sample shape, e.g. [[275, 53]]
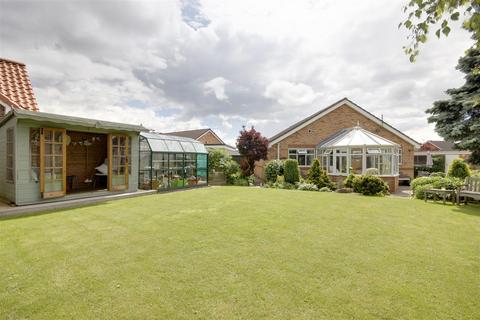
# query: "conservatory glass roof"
[[163, 143], [355, 137]]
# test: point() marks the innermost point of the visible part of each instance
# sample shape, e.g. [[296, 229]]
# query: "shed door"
[[53, 159], [118, 147]]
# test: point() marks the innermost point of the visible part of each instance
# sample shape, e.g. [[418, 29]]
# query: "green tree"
[[291, 172], [458, 118], [459, 169], [423, 14]]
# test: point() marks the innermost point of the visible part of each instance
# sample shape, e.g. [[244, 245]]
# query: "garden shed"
[[171, 162]]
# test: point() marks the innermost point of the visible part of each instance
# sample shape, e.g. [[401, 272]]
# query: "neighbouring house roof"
[[15, 87], [168, 143], [231, 150], [355, 137], [443, 145], [194, 134], [345, 101], [68, 120]]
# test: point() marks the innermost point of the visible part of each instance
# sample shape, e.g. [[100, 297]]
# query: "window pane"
[[356, 163]]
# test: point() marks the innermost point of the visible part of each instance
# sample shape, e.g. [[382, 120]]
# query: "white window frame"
[[305, 151]]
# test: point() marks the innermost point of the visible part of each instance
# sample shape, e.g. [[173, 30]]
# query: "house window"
[[10, 163], [400, 156], [34, 154], [303, 156]]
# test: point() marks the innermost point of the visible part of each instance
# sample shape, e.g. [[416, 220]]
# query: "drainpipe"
[[278, 151]]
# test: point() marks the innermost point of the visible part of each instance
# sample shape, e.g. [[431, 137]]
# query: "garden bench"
[[440, 192], [471, 189]]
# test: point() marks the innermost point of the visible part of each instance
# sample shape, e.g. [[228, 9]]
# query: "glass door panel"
[[52, 162], [118, 162]]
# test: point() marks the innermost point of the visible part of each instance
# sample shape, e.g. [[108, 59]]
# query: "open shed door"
[[118, 147], [53, 160]]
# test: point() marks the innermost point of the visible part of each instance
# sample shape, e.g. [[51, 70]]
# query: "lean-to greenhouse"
[[170, 162]]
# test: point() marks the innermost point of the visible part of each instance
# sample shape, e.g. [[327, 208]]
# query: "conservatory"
[[358, 149], [170, 162]]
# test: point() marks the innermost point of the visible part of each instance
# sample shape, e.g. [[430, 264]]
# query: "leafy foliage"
[[291, 172], [419, 185], [458, 118], [348, 183], [318, 176], [370, 185], [423, 14], [219, 160], [305, 186], [273, 169], [459, 169], [253, 147]]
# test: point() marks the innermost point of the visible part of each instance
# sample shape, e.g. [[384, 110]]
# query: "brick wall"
[[341, 118], [209, 138]]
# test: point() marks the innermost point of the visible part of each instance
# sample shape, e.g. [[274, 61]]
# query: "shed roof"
[[167, 143], [355, 136], [76, 121]]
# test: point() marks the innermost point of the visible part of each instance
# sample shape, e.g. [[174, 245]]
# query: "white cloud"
[[290, 94], [216, 86], [174, 65]]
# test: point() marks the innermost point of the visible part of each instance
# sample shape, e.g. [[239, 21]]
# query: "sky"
[[190, 64]]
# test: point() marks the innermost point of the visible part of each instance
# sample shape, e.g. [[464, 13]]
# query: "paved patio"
[[7, 210]]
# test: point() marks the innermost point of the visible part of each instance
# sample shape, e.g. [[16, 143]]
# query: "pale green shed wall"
[[7, 189]]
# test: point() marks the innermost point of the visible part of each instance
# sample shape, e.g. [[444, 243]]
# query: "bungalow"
[[344, 136]]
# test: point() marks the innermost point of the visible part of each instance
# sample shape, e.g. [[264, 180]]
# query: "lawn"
[[233, 252]]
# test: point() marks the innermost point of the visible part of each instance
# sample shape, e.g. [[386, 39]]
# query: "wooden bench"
[[471, 189]]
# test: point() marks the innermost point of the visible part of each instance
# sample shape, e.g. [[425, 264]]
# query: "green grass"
[[232, 252]]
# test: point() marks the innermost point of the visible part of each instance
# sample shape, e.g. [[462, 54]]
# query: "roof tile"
[[15, 86]]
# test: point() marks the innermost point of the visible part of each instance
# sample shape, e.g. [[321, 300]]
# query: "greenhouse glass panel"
[[202, 170], [187, 146], [176, 170], [160, 171], [173, 146], [200, 148], [158, 145]]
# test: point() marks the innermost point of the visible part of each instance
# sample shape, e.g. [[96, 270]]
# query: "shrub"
[[307, 186], [436, 182], [420, 190], [348, 183], [241, 182], [220, 161], [371, 172], [437, 174], [370, 185], [325, 189], [273, 169], [291, 172], [459, 169], [318, 176]]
